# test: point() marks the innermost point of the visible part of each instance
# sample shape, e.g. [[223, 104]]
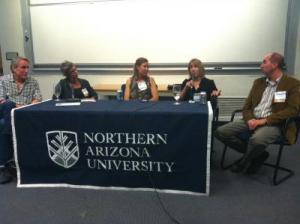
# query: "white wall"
[[108, 39], [10, 30], [11, 39]]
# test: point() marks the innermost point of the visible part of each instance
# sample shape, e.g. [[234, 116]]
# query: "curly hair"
[[66, 67]]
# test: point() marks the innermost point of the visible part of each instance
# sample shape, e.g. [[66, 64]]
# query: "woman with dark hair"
[[72, 86], [140, 86], [197, 82]]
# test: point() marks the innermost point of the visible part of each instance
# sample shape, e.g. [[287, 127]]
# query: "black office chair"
[[281, 142], [215, 120], [121, 92]]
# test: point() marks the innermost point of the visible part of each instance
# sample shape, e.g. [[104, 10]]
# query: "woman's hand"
[[216, 93], [189, 84]]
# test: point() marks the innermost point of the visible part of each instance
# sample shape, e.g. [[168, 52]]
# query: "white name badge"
[[280, 97], [85, 92], [142, 85]]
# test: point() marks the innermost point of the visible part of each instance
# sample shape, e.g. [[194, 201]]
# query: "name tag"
[[85, 92], [142, 85], [280, 97]]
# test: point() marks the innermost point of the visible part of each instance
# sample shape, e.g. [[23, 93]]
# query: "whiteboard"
[[164, 31]]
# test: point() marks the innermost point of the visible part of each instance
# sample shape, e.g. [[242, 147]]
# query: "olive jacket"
[[280, 110]]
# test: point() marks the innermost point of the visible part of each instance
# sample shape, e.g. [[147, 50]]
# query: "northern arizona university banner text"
[[114, 144]]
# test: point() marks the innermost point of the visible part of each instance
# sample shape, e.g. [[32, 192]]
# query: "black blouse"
[[206, 85], [67, 92]]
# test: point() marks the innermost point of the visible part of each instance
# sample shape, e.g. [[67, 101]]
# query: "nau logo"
[[63, 147]]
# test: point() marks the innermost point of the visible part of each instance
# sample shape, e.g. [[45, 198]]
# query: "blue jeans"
[[6, 151]]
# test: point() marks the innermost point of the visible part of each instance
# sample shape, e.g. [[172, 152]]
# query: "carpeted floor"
[[234, 199]]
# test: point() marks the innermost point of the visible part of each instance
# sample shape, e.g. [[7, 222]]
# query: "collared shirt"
[[28, 92], [264, 109]]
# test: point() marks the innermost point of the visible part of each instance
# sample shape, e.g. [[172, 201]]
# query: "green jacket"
[[280, 111]]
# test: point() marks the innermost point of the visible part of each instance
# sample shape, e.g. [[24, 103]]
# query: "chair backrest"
[[123, 87], [297, 123]]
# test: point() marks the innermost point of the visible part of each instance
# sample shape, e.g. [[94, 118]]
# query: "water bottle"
[[72, 91], [202, 97], [196, 97]]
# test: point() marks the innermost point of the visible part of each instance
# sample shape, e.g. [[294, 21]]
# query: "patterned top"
[[29, 91], [137, 94]]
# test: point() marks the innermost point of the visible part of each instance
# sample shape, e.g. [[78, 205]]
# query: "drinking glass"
[[56, 91], [176, 93]]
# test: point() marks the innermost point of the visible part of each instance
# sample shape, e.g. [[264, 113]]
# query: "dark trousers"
[[6, 150]]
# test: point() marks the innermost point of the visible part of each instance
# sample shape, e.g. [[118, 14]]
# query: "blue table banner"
[[114, 145]]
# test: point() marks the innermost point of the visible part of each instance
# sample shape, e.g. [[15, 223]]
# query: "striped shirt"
[[28, 92], [264, 109]]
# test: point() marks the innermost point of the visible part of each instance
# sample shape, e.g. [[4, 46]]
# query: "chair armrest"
[[234, 113]]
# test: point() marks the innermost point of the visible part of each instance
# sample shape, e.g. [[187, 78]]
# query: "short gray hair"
[[15, 62]]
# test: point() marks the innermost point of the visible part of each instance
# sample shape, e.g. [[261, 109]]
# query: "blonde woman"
[[197, 82]]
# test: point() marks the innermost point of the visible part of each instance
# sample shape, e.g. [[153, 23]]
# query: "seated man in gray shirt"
[[16, 90]]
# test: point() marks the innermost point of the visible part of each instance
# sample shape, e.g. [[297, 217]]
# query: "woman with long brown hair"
[[141, 86]]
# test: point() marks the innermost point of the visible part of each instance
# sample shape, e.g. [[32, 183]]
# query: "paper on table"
[[88, 100], [67, 104]]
